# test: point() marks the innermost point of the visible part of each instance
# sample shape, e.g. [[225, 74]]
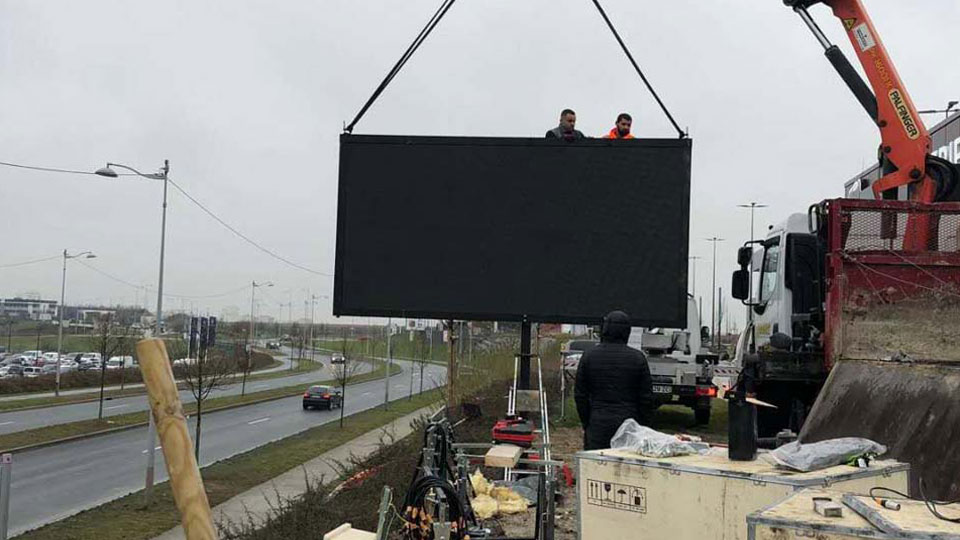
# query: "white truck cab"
[[681, 373]]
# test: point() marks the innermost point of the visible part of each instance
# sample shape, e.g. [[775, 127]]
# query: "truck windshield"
[[768, 277]]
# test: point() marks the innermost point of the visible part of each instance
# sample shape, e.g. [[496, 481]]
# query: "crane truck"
[[840, 296]]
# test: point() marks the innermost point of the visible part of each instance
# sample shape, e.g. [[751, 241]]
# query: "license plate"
[[660, 389]]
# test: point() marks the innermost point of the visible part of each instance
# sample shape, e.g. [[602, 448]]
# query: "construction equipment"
[[862, 280]]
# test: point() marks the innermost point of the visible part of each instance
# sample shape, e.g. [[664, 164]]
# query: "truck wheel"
[[702, 416]]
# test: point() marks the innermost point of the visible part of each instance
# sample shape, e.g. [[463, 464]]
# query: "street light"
[[163, 174], [946, 112], [63, 287], [752, 206], [694, 280], [253, 290], [713, 292]]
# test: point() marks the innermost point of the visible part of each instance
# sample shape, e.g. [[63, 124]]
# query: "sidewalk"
[[256, 502]]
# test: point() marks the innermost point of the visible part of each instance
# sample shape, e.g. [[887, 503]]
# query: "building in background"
[[33, 309]]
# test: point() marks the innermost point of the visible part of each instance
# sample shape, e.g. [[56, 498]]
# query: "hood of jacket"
[[615, 328]]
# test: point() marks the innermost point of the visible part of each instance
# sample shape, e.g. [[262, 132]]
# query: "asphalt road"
[[11, 422], [49, 484]]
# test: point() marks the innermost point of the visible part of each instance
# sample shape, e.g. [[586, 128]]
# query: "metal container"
[[623, 495]]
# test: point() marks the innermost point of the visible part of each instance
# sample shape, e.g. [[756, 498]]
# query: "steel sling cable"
[[636, 67], [421, 37]]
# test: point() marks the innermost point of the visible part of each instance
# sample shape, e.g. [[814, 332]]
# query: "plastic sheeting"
[[816, 456], [651, 443]]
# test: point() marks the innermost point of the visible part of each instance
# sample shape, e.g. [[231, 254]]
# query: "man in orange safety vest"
[[622, 129]]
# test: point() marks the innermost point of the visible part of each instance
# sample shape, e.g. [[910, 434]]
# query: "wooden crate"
[[623, 495], [794, 519]]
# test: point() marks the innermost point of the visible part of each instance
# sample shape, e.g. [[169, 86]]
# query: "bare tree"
[[110, 338], [246, 366], [210, 370], [344, 372], [421, 357]]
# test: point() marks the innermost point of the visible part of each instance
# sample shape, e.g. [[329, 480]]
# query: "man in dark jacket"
[[566, 130], [613, 384]]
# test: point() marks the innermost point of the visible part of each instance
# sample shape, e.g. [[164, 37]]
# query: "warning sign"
[[617, 496], [849, 23], [864, 37]]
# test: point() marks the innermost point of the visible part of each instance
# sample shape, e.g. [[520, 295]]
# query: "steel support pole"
[[151, 425], [386, 376], [6, 470], [523, 377], [63, 288]]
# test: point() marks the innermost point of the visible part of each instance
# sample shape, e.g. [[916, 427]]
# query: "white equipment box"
[[624, 495], [795, 519]]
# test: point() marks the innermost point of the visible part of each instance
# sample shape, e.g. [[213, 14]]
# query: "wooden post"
[[167, 412]]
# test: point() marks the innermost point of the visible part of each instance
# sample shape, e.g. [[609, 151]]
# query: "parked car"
[[322, 397], [32, 372], [118, 362], [11, 359], [90, 356], [49, 358], [68, 365], [11, 370], [89, 365], [49, 369], [337, 358]]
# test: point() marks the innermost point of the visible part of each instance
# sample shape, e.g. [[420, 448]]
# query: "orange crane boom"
[[905, 142]]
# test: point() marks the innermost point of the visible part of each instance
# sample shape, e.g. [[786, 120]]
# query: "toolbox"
[[514, 431]]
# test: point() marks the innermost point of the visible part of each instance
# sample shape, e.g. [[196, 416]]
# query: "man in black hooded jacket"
[[613, 384]]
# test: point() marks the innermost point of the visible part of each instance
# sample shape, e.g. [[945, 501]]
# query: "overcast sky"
[[247, 99]]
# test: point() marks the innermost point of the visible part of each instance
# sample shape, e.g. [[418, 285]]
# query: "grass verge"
[[89, 427], [127, 519], [668, 419]]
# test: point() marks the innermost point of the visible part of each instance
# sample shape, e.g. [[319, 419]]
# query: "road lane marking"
[[157, 448], [7, 423], [257, 421], [114, 407], [366, 393]]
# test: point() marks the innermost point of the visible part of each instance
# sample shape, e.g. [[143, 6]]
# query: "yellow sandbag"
[[484, 506], [480, 484]]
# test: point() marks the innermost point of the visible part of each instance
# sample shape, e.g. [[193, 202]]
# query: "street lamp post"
[[63, 288], [694, 278], [253, 291], [713, 293], [752, 206], [946, 112], [164, 175]]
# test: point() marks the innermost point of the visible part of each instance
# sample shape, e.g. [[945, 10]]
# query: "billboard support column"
[[523, 382], [451, 370]]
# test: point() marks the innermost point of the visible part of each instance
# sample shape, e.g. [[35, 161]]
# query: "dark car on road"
[[323, 397]]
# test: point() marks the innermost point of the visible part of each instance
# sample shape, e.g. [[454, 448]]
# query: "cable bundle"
[[418, 522]]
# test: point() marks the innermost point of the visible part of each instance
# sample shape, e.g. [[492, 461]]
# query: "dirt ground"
[[567, 441]]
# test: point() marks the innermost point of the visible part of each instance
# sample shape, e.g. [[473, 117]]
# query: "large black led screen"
[[505, 228]]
